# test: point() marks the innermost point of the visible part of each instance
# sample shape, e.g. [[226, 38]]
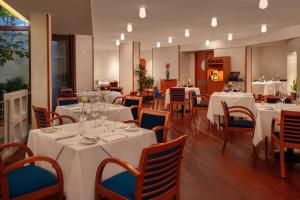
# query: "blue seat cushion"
[[68, 102], [201, 105], [149, 121], [122, 184], [132, 102], [240, 123], [29, 179]]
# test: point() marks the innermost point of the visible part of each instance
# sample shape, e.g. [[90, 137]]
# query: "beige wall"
[[187, 67], [162, 56], [269, 60], [238, 58], [84, 62], [106, 65]]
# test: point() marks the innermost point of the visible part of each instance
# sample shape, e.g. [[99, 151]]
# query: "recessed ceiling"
[[166, 18]]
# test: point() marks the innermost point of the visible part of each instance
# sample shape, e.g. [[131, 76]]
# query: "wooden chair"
[[157, 97], [66, 91], [134, 102], [203, 105], [45, 118], [288, 137], [157, 177], [275, 99], [177, 97], [24, 180], [62, 101], [158, 121], [241, 125]]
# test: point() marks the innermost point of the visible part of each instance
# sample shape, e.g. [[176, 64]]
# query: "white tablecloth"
[[109, 96], [268, 87], [232, 99], [187, 89], [116, 113], [79, 162], [264, 115]]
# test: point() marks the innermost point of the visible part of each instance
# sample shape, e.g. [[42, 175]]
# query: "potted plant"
[[149, 81], [294, 88], [140, 72]]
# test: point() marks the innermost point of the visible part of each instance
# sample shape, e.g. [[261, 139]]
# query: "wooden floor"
[[209, 175]]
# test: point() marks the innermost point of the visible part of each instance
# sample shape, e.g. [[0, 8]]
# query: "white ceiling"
[[68, 16], [106, 19], [170, 17]]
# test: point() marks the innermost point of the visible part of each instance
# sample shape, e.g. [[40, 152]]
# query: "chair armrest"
[[33, 159], [158, 128], [201, 96], [133, 107], [19, 145], [165, 131], [132, 121], [61, 117], [53, 113], [116, 161], [244, 112], [241, 108], [116, 99]]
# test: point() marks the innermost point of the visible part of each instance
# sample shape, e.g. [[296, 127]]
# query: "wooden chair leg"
[[266, 147], [272, 150], [157, 104], [282, 163], [153, 104], [225, 141]]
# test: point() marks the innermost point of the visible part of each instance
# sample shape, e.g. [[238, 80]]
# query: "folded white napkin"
[[65, 136], [113, 138]]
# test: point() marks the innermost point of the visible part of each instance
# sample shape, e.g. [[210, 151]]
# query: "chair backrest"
[[62, 101], [226, 112], [151, 118], [66, 91], [160, 170], [275, 99], [113, 84], [177, 94], [156, 92], [133, 101], [194, 100], [42, 117], [290, 128]]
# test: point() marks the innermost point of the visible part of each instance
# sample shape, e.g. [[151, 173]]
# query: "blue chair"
[[63, 101], [157, 97], [237, 125], [134, 102], [157, 176], [158, 121], [25, 180]]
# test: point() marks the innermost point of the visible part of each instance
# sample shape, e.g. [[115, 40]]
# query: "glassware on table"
[[283, 96], [103, 113], [82, 119]]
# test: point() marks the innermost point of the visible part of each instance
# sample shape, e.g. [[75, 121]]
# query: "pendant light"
[[263, 4], [264, 28], [142, 12], [158, 44], [230, 37], [214, 22], [207, 42], [170, 40], [129, 27], [118, 42], [122, 37], [187, 33]]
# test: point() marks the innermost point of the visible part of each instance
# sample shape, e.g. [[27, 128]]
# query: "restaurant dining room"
[[149, 100]]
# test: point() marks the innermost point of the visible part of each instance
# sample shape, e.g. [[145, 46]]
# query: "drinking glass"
[[82, 119], [283, 96], [103, 113]]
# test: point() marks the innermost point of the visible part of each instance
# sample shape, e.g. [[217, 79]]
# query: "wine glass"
[[103, 113], [82, 119], [283, 96]]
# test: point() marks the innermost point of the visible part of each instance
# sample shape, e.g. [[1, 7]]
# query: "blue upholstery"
[[240, 123], [195, 103], [149, 121], [68, 102], [156, 94], [236, 90], [29, 179], [123, 184], [132, 102]]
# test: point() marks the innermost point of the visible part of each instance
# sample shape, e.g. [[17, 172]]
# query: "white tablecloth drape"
[[232, 99], [264, 115], [79, 162], [109, 96], [116, 113], [187, 89], [268, 87]]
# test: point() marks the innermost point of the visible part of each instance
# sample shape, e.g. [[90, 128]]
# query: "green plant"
[[140, 72], [294, 85], [149, 81], [13, 84]]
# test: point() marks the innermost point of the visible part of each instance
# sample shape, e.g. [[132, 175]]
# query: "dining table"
[[80, 148], [265, 112], [116, 112], [187, 89], [266, 88], [215, 110], [103, 95]]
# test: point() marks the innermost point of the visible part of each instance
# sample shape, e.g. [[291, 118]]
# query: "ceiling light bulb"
[[263, 4], [207, 42], [187, 33], [158, 44], [264, 28], [230, 37], [118, 42], [122, 37], [214, 22], [129, 28], [142, 12], [170, 40]]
